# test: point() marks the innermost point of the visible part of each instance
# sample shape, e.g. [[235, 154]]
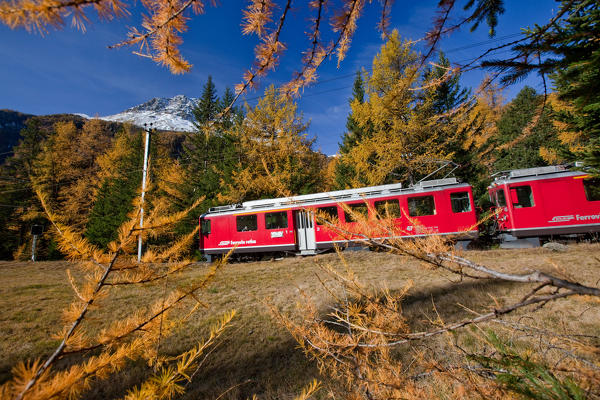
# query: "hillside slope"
[[11, 123]]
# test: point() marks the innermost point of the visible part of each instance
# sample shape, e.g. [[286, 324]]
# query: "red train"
[[531, 202], [546, 201], [441, 207]]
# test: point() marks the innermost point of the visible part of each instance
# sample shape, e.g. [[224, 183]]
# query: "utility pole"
[[36, 230], [144, 175], [33, 247]]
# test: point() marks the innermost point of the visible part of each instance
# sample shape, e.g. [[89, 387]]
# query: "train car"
[[289, 224], [546, 201]]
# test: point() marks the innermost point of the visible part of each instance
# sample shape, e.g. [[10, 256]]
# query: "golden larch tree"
[[275, 154], [408, 135], [67, 168]]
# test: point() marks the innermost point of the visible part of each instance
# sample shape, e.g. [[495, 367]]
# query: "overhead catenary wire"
[[489, 41], [12, 178], [350, 86], [66, 181], [182, 161]]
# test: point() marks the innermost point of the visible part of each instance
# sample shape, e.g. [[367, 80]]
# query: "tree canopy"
[[345, 173], [275, 156], [411, 120]]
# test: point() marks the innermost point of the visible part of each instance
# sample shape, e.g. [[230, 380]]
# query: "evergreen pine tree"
[[118, 189], [235, 114], [228, 97], [451, 105], [354, 133], [210, 153], [578, 79], [570, 51], [525, 127], [448, 94], [344, 171], [110, 209], [208, 105]]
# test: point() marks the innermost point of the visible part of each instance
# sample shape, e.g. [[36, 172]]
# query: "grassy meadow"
[[256, 355]]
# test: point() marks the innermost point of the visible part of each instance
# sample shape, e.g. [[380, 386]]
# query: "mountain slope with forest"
[[11, 123]]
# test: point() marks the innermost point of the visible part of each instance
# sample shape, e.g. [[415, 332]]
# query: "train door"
[[498, 197], [305, 231], [524, 212]]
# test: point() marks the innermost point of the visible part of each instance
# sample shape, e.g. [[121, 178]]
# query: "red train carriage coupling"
[[546, 201], [288, 224]]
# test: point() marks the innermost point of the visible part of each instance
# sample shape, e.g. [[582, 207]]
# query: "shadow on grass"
[[273, 367], [451, 301], [280, 372]]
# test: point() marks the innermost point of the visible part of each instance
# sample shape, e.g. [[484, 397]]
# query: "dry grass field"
[[258, 356]]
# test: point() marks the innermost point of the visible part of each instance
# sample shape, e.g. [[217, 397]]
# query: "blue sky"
[[67, 71]]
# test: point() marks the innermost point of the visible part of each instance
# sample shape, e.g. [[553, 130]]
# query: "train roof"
[[531, 174], [337, 196]]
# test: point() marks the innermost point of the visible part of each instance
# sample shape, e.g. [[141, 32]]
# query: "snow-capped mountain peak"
[[174, 114]]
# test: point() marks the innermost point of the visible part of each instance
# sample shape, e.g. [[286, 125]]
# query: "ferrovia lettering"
[[588, 217]]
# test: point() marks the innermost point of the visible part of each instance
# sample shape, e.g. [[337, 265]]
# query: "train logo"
[[562, 218]]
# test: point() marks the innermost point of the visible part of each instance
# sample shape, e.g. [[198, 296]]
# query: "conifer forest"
[[398, 318]]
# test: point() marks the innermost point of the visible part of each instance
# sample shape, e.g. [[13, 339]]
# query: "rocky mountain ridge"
[[169, 114], [173, 114]]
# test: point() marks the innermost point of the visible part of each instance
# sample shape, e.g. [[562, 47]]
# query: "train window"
[[500, 198], [592, 189], [522, 196], [246, 223], [206, 227], [356, 209], [460, 202], [329, 213], [419, 206], [276, 220], [388, 208]]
